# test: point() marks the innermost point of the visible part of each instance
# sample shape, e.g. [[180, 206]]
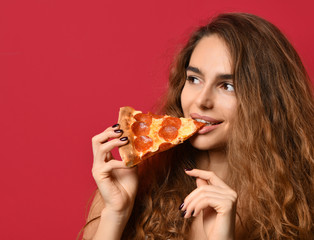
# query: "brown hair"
[[270, 149]]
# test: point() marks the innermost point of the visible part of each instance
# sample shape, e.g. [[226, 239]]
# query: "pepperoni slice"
[[143, 143], [165, 146], [155, 115], [168, 133], [140, 128], [142, 117], [172, 121]]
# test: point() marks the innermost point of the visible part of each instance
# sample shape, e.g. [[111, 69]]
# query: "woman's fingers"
[[106, 169], [220, 202], [111, 132], [201, 182], [105, 148], [102, 146], [103, 136], [206, 189], [211, 177], [213, 184], [211, 192]]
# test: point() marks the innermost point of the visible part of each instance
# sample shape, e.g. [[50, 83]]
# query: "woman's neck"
[[215, 161]]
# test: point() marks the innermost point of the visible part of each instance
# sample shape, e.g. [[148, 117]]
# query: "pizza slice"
[[149, 133]]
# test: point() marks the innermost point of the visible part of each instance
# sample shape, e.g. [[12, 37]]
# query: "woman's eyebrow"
[[225, 76], [194, 69], [219, 76]]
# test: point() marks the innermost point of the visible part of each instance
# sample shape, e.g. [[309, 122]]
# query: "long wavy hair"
[[270, 149]]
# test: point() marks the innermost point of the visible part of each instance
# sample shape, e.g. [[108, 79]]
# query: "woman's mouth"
[[208, 127], [207, 122], [211, 123]]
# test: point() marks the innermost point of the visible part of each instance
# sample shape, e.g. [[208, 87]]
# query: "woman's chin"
[[202, 142]]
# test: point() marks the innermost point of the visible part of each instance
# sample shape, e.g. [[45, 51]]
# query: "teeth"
[[203, 121]]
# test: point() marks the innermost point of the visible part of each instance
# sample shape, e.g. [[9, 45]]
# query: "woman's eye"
[[228, 87], [193, 80]]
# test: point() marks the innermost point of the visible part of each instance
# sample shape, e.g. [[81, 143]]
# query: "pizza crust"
[[127, 152]]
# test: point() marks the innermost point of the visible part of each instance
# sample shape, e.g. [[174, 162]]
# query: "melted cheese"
[[187, 127]]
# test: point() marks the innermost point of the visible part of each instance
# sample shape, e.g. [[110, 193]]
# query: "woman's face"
[[208, 94]]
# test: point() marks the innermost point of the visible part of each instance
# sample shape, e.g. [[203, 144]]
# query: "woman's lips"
[[208, 119], [212, 123], [207, 129]]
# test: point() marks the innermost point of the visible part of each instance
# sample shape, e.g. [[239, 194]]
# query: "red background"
[[66, 66]]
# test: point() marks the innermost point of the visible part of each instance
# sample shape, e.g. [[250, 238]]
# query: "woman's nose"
[[205, 99]]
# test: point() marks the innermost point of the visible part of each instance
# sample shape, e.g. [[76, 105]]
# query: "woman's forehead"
[[211, 53]]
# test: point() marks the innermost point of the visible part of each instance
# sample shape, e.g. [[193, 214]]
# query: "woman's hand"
[[216, 201], [116, 182]]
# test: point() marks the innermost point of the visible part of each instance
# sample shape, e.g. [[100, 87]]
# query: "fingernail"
[[124, 139], [183, 213], [181, 206], [118, 131], [116, 125], [188, 169], [192, 213]]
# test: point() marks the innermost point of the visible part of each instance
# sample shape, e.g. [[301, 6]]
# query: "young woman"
[[248, 176]]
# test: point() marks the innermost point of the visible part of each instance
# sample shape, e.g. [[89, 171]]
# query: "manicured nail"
[[181, 206], [116, 125], [188, 169], [124, 139], [118, 131], [183, 213]]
